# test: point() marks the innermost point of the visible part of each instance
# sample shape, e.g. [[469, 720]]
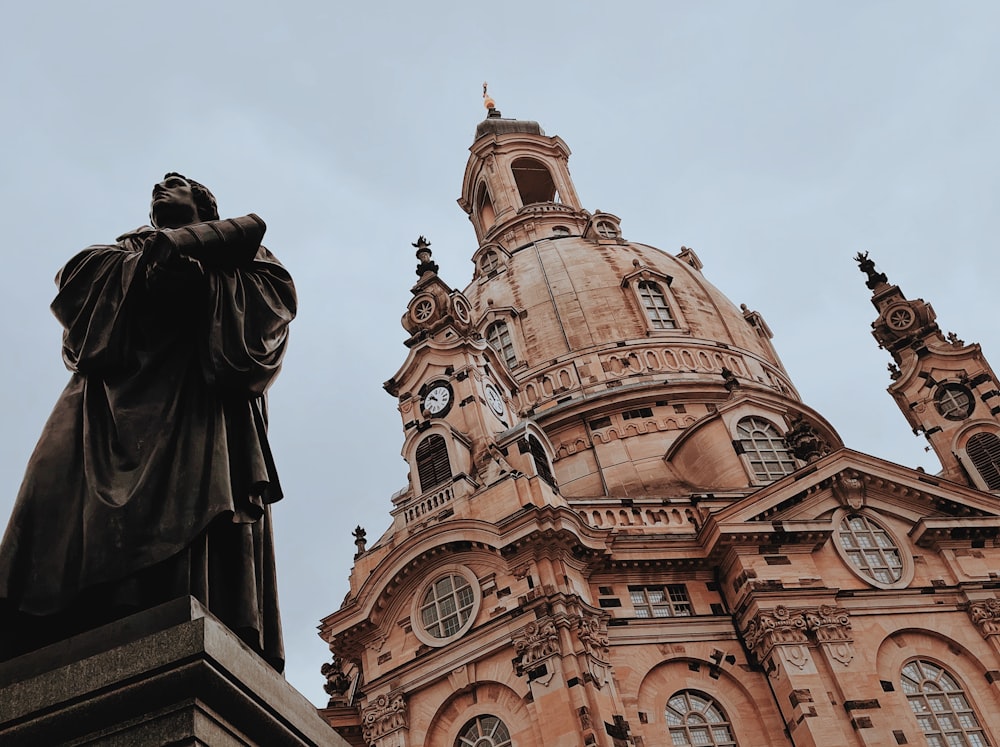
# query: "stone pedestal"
[[169, 675]]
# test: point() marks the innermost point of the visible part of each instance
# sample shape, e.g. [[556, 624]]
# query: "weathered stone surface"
[[172, 674]]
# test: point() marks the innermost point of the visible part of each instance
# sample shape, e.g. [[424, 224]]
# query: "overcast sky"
[[776, 139]]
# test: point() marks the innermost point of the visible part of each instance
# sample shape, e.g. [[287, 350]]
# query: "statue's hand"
[[167, 270]]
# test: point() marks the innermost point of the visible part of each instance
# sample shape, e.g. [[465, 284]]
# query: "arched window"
[[766, 449], [534, 182], [541, 460], [433, 467], [941, 706], [484, 731], [870, 548], [984, 451], [498, 335], [487, 214], [693, 718], [655, 303]]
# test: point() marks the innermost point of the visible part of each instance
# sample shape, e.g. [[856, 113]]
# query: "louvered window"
[[655, 303], [498, 335], [541, 460], [433, 467], [984, 451]]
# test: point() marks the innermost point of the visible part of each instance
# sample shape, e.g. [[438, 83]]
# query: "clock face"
[[494, 400], [438, 399]]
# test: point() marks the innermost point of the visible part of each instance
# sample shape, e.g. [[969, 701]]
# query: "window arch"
[[433, 465], [484, 731], [694, 718], [765, 448], [940, 706], [499, 337], [654, 302], [984, 451], [534, 181]]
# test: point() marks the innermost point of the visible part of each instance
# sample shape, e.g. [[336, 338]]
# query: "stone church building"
[[624, 527]]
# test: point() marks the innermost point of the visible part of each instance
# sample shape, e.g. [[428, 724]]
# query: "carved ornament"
[[986, 616], [849, 489], [538, 640], [805, 442], [828, 625], [592, 630], [387, 714], [779, 627], [337, 683]]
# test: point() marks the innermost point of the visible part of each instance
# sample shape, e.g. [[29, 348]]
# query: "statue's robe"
[[153, 477]]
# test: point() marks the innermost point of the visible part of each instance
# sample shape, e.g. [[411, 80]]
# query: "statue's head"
[[178, 201]]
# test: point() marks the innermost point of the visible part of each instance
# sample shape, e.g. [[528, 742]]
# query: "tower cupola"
[[517, 186]]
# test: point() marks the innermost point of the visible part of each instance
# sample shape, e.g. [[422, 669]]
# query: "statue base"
[[172, 674]]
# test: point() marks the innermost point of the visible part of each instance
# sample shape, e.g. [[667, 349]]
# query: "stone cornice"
[[931, 532]]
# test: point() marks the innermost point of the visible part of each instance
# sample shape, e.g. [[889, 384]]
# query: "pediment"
[[797, 508]]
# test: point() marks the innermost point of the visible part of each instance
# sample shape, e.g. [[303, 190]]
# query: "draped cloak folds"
[[153, 476]]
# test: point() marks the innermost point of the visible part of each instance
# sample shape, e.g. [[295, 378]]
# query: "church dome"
[[611, 340], [573, 294]]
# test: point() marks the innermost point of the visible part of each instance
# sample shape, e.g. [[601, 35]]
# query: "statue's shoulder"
[[100, 257]]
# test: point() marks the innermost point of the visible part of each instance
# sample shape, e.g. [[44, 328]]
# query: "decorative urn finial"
[[867, 266], [423, 247]]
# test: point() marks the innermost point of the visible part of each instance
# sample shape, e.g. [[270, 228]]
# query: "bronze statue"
[[153, 478]]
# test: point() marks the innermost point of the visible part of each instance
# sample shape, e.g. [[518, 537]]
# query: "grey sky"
[[776, 139]]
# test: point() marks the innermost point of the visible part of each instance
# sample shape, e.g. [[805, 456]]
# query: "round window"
[[421, 311], [446, 607], [954, 401], [900, 317]]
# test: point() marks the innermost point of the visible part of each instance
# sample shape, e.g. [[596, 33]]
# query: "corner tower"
[[946, 389]]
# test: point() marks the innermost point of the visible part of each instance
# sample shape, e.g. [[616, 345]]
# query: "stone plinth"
[[169, 675]]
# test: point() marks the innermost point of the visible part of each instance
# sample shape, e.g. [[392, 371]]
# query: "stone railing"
[[639, 516], [426, 503], [664, 357]]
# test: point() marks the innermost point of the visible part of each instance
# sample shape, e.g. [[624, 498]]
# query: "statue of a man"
[[153, 478]]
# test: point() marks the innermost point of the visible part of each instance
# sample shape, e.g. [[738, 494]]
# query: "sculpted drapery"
[[153, 477]]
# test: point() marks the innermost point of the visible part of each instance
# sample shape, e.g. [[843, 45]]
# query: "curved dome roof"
[[567, 296]]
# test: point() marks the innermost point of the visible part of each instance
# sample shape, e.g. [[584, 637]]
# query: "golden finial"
[[488, 101]]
